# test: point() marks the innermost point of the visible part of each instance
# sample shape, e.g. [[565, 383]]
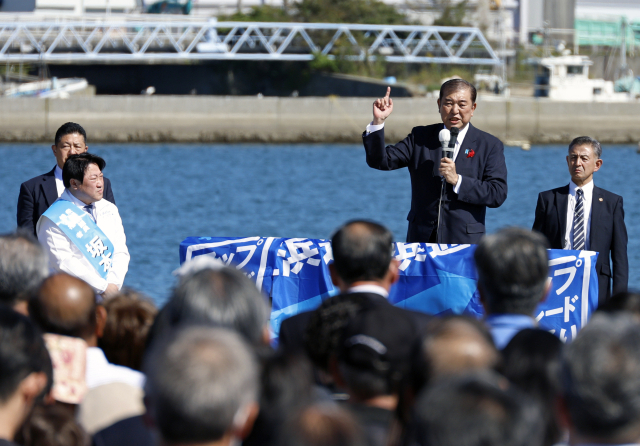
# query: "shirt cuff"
[[456, 188], [373, 128]]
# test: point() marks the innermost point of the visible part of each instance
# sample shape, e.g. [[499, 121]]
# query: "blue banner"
[[434, 279], [84, 233]]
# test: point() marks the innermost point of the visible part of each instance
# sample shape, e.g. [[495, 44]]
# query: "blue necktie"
[[89, 210], [578, 222]]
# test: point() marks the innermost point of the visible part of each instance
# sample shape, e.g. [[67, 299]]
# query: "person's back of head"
[[24, 366], [513, 268], [476, 410], [23, 267], [323, 425], [362, 251], [626, 301], [374, 354], [129, 319], [531, 361], [601, 380], [222, 297], [453, 345], [52, 425], [202, 386], [65, 305]]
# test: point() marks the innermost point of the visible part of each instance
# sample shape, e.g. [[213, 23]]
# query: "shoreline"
[[250, 119]]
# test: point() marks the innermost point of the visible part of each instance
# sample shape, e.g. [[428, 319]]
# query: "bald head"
[[456, 345], [362, 251], [66, 306]]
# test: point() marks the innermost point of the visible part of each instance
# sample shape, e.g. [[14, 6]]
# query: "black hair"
[[362, 250], [69, 128], [626, 301], [513, 267], [22, 351], [476, 410], [531, 361], [587, 140], [76, 166], [458, 84]]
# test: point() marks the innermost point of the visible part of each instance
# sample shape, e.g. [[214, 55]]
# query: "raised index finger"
[[388, 93]]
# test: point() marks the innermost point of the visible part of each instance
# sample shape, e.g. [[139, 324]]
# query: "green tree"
[[452, 14]]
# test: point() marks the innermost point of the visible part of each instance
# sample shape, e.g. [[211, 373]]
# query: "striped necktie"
[[578, 222]]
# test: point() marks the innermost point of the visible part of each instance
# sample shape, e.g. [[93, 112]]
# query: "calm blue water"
[[167, 192]]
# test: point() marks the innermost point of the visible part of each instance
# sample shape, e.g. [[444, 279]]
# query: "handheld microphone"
[[452, 142], [444, 136]]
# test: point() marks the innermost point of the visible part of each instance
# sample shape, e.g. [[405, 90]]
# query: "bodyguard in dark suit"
[[475, 179], [583, 216], [37, 194]]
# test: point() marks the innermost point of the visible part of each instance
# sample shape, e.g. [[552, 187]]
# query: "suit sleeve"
[[26, 203], [619, 250], [108, 192], [389, 157], [540, 218], [491, 190]]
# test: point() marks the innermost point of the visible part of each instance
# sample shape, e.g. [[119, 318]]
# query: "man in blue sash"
[[82, 232]]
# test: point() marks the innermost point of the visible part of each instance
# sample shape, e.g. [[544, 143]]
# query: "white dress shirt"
[[463, 132], [587, 199], [65, 256], [373, 289], [59, 183], [100, 371]]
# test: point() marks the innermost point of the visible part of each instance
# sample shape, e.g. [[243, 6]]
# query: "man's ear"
[[248, 414], [598, 164], [101, 320], [438, 105], [32, 386], [74, 183], [547, 290], [335, 278], [394, 271], [562, 413]]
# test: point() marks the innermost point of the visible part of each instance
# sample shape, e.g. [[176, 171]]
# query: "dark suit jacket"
[[37, 194], [608, 234], [292, 329], [484, 181]]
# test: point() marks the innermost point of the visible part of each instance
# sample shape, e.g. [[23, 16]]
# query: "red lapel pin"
[[471, 153]]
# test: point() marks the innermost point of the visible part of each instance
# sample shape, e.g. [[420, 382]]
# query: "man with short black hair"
[[476, 410], [37, 194], [202, 388], [581, 216], [449, 196], [82, 232], [23, 267], [23, 372], [601, 385], [363, 264], [513, 267]]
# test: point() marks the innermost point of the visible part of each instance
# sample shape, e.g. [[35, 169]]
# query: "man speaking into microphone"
[[449, 196]]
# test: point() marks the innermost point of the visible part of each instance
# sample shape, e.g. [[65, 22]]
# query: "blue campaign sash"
[[84, 233]]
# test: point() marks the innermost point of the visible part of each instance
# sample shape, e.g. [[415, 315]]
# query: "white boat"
[[48, 88], [566, 78]]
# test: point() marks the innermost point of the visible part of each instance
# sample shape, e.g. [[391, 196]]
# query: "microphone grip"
[[447, 152]]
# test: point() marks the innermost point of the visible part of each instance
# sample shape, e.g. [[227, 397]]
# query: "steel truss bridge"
[[137, 40]]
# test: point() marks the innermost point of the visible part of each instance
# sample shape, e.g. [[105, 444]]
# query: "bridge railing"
[[123, 40]]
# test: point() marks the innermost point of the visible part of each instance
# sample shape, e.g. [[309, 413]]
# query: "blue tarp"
[[435, 279]]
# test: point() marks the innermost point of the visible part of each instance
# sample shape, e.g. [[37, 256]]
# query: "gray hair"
[[23, 267], [601, 377], [218, 296], [587, 140], [199, 384], [513, 266]]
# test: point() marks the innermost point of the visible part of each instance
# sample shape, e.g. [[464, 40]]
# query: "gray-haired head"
[[221, 296], [513, 267], [601, 379], [23, 267], [587, 140], [200, 385]]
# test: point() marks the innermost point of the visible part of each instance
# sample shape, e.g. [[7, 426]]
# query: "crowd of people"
[[357, 371]]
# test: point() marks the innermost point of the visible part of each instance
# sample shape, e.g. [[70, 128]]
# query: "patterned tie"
[[578, 222], [89, 210]]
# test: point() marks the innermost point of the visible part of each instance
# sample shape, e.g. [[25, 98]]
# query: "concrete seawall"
[[321, 119]]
